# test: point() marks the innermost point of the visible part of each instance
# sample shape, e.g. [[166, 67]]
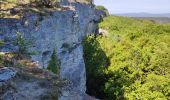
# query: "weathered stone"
[[30, 85], [103, 32], [6, 74]]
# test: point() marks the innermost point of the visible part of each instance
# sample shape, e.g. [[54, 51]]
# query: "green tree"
[[54, 64], [23, 45], [96, 63]]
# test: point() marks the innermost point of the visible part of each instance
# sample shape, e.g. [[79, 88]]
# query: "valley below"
[[161, 20]]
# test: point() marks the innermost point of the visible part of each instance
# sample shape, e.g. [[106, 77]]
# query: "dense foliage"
[[96, 62], [101, 8], [139, 60]]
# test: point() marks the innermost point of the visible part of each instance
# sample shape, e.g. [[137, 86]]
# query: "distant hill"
[[144, 15], [161, 20]]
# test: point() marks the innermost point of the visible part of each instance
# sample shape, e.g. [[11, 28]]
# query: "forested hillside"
[[130, 62]]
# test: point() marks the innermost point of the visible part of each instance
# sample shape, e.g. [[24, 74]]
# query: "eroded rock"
[[6, 74], [32, 84]]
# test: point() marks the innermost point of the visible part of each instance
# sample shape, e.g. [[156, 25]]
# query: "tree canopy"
[[139, 60]]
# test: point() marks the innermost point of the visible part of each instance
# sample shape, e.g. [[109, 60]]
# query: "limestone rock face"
[[60, 30], [6, 74]]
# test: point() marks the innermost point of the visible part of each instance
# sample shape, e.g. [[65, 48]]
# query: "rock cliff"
[[61, 30]]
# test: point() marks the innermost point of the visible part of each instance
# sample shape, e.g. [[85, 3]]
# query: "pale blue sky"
[[135, 6]]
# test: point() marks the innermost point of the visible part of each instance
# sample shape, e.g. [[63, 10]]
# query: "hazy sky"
[[130, 6]]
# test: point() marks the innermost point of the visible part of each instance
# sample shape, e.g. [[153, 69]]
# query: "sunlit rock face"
[[60, 30]]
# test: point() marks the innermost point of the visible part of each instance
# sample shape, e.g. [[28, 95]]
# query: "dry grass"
[[17, 9], [30, 79], [84, 1], [28, 82]]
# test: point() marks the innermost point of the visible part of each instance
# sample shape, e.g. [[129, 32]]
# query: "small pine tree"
[[23, 46], [22, 43], [54, 64]]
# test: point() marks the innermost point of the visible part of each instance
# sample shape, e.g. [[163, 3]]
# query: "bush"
[[101, 8], [47, 3], [1, 43], [1, 60]]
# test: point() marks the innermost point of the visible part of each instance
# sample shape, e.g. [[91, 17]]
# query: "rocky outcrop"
[[61, 30], [29, 84], [6, 74]]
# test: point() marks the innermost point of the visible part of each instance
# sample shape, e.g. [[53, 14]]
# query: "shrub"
[[1, 60], [47, 3], [66, 45], [6, 59], [101, 8], [1, 43]]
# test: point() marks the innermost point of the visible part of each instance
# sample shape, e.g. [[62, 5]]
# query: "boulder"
[[6, 74]]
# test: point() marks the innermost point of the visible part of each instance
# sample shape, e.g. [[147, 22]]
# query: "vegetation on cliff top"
[[132, 62], [16, 8], [102, 8]]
